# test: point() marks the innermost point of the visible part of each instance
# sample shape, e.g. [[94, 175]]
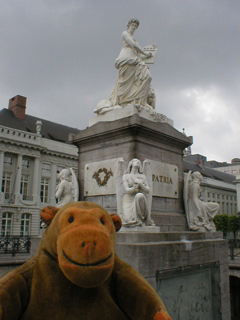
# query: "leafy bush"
[[222, 223], [227, 224], [234, 225]]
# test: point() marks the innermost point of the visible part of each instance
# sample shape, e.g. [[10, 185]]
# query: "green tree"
[[234, 225], [222, 224]]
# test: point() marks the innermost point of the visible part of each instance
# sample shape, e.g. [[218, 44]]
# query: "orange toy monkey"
[[76, 274]]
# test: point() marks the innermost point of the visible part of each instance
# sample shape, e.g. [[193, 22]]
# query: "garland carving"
[[107, 176]]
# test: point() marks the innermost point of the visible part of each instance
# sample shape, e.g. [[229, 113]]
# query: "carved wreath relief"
[[102, 176]]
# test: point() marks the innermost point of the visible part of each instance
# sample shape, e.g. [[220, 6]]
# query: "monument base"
[[129, 110], [189, 270], [143, 229], [102, 145]]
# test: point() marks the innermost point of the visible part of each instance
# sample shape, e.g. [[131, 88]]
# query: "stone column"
[[36, 181], [18, 179], [238, 193], [53, 184], [1, 175]]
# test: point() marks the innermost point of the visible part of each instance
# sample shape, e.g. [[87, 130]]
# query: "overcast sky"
[[61, 55]]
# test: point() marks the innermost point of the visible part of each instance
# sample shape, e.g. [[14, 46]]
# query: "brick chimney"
[[18, 105]]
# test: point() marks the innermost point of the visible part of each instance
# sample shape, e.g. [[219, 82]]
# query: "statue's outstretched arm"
[[133, 44]]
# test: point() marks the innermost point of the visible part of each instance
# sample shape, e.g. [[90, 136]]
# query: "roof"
[[208, 172], [50, 130]]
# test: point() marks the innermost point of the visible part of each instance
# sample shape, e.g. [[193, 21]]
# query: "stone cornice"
[[139, 127]]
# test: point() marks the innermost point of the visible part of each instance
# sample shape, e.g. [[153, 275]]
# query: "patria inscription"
[[162, 179]]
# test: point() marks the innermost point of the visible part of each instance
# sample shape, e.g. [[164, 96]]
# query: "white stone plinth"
[[127, 111], [100, 177], [143, 229]]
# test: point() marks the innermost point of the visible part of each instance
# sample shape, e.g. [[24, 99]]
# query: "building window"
[[26, 163], [209, 194], [6, 224], [218, 195], [8, 160], [76, 172], [26, 178], [46, 167], [25, 224], [44, 190], [59, 169], [24, 186], [6, 184], [223, 207], [213, 195]]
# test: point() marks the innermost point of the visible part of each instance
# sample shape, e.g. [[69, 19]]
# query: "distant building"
[[32, 153], [216, 186], [230, 168]]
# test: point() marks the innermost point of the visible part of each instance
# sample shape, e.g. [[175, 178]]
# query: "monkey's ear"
[[117, 221], [48, 213]]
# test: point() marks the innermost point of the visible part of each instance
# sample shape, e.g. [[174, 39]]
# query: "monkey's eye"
[[70, 219], [102, 221]]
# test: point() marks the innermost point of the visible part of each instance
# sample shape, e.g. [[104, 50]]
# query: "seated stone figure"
[[134, 194], [199, 214], [134, 78]]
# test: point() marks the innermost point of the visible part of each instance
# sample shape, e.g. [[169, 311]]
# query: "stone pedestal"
[[189, 270], [135, 137]]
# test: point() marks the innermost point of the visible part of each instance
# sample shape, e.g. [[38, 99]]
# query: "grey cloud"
[[61, 56]]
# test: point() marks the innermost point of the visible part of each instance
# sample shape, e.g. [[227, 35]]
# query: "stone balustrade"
[[20, 136]]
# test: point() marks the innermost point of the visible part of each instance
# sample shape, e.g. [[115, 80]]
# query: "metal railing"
[[14, 244]]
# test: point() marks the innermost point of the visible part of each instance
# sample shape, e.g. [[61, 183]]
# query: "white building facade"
[[29, 165], [221, 192]]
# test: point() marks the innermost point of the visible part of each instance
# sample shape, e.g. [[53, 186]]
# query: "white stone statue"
[[67, 190], [199, 214], [133, 85], [134, 193]]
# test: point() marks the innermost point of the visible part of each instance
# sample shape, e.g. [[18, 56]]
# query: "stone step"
[[130, 237], [8, 259]]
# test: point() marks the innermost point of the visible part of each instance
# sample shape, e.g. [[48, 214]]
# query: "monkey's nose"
[[88, 248]]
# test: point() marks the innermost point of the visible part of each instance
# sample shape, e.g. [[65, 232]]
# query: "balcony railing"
[[14, 244]]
